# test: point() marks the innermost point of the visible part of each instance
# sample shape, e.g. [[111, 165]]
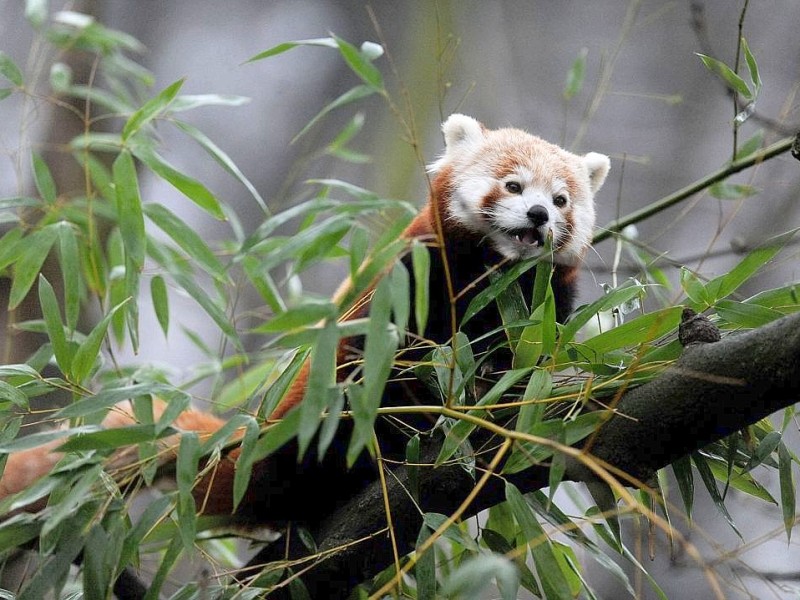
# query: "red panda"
[[496, 196]]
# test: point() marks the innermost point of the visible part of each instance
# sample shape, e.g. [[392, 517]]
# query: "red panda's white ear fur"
[[460, 133], [598, 166]]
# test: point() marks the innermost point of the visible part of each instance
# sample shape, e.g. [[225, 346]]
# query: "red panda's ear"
[[598, 166], [461, 131]]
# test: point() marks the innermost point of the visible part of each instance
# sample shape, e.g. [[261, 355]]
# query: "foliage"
[[108, 256]]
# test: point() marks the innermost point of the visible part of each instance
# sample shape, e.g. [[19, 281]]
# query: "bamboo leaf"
[[43, 179], [576, 75], [245, 460], [554, 582], [88, 351], [34, 250], [745, 315], [191, 188], [788, 493], [321, 383], [221, 157], [69, 258], [380, 346], [724, 72], [185, 473], [706, 474], [55, 328], [360, 64], [724, 285], [12, 394], [151, 109], [350, 96], [296, 317], [752, 67], [461, 430], [187, 238], [286, 46], [160, 298], [129, 208], [10, 70]]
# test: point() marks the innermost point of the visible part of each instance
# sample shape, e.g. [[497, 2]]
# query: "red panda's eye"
[[513, 187], [560, 201]]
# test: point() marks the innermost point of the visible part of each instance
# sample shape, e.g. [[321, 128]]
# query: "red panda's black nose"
[[538, 215]]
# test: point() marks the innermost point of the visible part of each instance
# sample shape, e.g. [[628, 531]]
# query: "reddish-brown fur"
[[213, 491]]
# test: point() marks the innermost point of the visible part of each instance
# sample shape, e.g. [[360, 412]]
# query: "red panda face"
[[517, 190]]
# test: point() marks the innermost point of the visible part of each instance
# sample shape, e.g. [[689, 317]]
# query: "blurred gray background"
[[647, 101]]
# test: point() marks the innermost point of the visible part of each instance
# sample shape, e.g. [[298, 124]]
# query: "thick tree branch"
[[710, 392]]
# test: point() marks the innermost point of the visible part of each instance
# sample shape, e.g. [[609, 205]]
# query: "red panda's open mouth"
[[531, 236]]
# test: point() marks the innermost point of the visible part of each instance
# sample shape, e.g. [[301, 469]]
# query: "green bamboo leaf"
[[554, 583], [222, 158], [731, 191], [87, 353], [752, 66], [55, 328], [9, 393], [110, 439], [576, 75], [425, 569], [461, 430], [694, 289], [745, 315], [191, 188], [296, 317], [10, 247], [484, 298], [214, 308], [400, 284], [34, 250], [263, 283], [751, 145], [788, 494], [69, 257], [741, 481], [167, 561], [245, 460], [539, 388], [641, 330], [10, 70], [472, 578], [724, 72], [43, 179], [104, 399], [380, 346], [350, 96], [360, 64], [192, 101], [187, 238], [5, 93], [151, 109], [185, 474], [321, 383], [129, 208], [724, 285], [286, 46], [160, 299], [277, 390], [566, 432], [616, 297], [100, 555], [707, 475]]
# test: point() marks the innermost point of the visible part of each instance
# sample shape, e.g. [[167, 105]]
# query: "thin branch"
[[666, 202]]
